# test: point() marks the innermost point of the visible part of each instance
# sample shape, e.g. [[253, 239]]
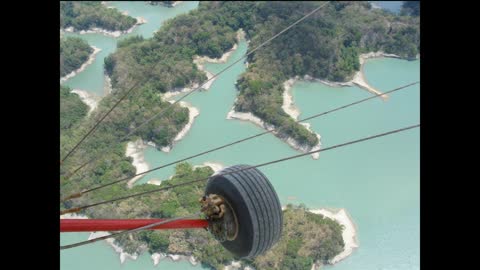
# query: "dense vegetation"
[[325, 46], [306, 237], [137, 108], [84, 15], [292, 251], [72, 109], [73, 53], [411, 8]]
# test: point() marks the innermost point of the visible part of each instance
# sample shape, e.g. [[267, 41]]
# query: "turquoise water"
[[100, 256], [92, 78], [376, 181], [393, 6]]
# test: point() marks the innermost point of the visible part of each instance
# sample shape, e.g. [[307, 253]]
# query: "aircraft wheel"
[[256, 218]]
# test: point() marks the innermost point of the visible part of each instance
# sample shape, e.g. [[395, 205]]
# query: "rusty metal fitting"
[[222, 221]]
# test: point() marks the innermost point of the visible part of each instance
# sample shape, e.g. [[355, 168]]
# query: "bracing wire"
[[76, 209], [162, 112], [76, 195]]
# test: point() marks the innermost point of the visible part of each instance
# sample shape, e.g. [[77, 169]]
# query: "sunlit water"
[[376, 181], [92, 78]]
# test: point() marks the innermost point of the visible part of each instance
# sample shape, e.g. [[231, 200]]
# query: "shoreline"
[[288, 105], [192, 114], [249, 117], [107, 85], [116, 248], [109, 241], [90, 99], [199, 61], [215, 166], [293, 111], [136, 150], [167, 96], [358, 78], [155, 182], [349, 233], [157, 257], [97, 30], [90, 60]]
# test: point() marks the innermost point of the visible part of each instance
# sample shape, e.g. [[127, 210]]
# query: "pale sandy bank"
[[90, 60], [192, 114], [136, 150], [232, 114], [88, 98], [349, 233], [97, 30]]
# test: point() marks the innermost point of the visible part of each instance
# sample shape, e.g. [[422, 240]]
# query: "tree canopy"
[[73, 53], [326, 46], [72, 109], [84, 15]]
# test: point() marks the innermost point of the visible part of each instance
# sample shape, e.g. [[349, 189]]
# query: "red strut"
[[98, 225]]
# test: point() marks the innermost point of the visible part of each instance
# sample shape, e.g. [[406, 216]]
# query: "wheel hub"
[[222, 221]]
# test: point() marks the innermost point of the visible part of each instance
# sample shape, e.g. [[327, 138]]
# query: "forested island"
[[85, 15], [307, 238], [74, 52], [325, 46], [289, 252]]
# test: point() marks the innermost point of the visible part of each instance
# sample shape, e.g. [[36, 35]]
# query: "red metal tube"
[[97, 225]]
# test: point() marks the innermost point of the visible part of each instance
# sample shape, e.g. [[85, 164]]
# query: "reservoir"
[[377, 181]]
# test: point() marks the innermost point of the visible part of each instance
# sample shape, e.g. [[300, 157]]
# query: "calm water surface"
[[376, 181]]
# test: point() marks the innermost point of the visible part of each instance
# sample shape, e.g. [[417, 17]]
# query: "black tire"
[[256, 206]]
